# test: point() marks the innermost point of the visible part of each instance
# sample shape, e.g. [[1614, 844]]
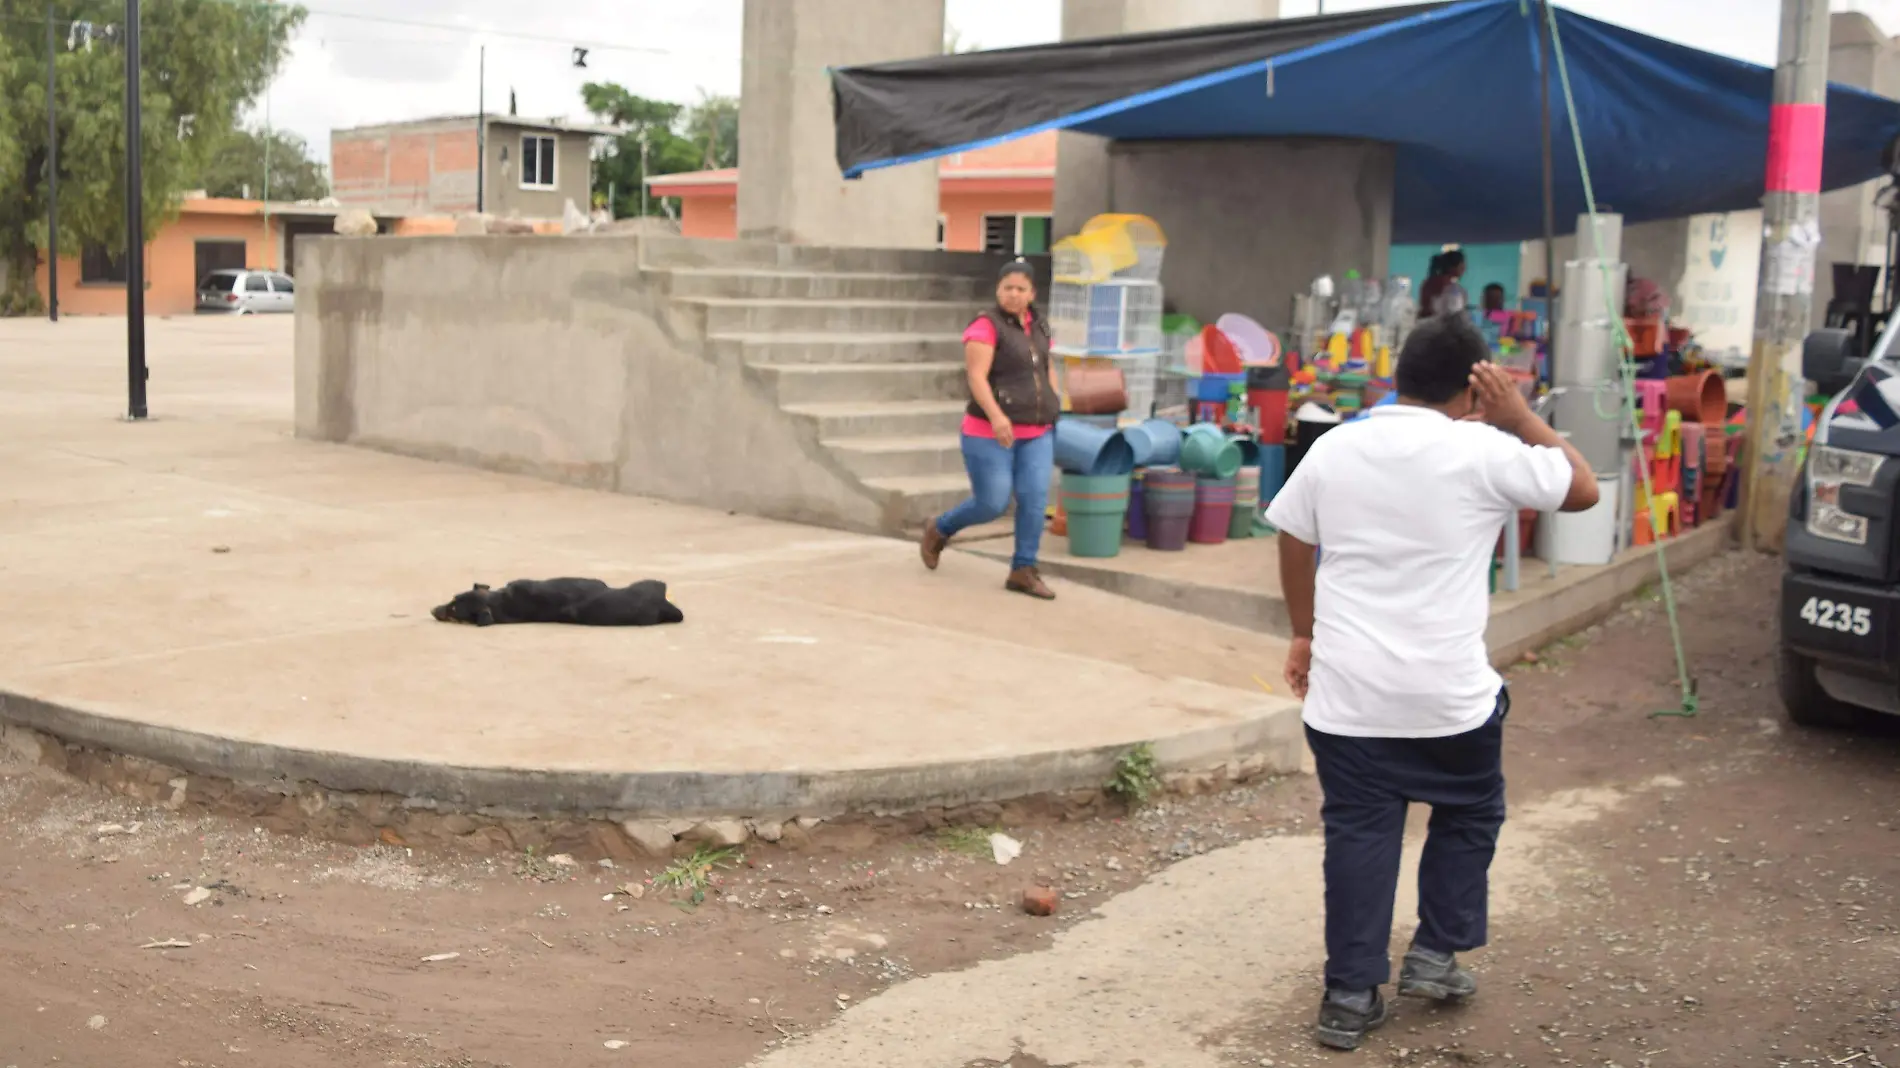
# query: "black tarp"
[[920, 107]]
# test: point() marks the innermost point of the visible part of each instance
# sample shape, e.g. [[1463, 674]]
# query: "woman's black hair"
[[1017, 266], [1447, 262]]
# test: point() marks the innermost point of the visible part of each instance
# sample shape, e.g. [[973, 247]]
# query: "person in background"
[[1009, 439], [1388, 654], [1441, 294], [1493, 300], [1644, 299]]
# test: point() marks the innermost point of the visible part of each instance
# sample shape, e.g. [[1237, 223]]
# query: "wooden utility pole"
[[1784, 295]]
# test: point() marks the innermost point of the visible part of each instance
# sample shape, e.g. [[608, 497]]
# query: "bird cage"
[[1112, 318]]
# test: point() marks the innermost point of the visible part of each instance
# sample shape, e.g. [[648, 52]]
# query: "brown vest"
[[1019, 375]]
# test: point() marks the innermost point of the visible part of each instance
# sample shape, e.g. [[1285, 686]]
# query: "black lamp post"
[[134, 225]]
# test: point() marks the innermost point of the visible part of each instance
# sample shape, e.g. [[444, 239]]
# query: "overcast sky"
[[358, 71]]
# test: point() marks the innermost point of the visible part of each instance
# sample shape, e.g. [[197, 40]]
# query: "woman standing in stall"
[[1442, 294], [1009, 428]]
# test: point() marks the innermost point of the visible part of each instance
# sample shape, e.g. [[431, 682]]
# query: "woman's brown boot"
[[930, 547], [1026, 580]]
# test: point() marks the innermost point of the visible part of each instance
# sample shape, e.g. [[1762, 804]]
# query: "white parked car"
[[246, 292]]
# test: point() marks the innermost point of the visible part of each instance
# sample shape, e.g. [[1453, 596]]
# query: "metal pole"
[[481, 131], [134, 224], [270, 246], [1550, 200], [1784, 294], [644, 209], [52, 172]]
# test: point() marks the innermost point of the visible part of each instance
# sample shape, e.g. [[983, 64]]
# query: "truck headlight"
[[1828, 470]]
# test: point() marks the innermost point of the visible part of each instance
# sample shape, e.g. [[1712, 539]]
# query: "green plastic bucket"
[[1096, 506], [1209, 452]]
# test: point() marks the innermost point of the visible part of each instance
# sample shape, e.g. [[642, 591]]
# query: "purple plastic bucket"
[[1213, 511], [1137, 510]]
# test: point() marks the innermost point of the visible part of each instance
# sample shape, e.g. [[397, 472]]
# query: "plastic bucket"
[[1157, 443], [1205, 450], [1168, 499], [1271, 404], [1213, 510], [1082, 449], [1246, 503], [1137, 524], [1249, 451], [1272, 472], [1701, 397], [1095, 505]]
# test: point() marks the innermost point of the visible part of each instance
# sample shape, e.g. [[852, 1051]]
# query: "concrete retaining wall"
[[553, 358]]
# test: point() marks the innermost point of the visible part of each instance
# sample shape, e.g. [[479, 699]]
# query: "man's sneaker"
[[1430, 974], [1346, 1015]]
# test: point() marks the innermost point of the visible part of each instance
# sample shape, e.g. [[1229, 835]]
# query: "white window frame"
[[554, 168]]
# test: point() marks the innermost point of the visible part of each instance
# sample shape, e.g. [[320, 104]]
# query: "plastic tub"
[[1096, 505], [1156, 442], [1083, 449], [1700, 396], [1272, 472], [1205, 450], [1213, 510]]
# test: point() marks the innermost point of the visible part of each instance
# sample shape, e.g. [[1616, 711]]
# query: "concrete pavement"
[[204, 590]]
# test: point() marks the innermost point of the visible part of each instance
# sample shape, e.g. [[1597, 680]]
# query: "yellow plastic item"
[[1665, 515], [1669, 442], [1336, 350], [1107, 246], [1382, 366]]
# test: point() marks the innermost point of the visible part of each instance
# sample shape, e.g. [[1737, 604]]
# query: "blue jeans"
[[996, 474]]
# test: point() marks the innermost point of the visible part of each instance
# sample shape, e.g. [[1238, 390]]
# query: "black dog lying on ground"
[[580, 601]]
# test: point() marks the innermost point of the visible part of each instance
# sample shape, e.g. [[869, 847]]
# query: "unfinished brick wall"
[[425, 170]]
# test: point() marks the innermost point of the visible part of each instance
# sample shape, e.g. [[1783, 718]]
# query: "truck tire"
[[1807, 704]]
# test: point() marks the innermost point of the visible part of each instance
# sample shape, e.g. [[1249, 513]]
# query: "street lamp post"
[[52, 172], [134, 224]]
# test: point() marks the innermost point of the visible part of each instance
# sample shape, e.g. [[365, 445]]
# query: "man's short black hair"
[[1499, 286], [1435, 364]]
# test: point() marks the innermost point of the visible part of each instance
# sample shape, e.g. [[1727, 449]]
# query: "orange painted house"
[[208, 234], [995, 199]]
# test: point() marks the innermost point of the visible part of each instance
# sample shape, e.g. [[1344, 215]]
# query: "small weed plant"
[[696, 874], [1137, 778], [969, 841]]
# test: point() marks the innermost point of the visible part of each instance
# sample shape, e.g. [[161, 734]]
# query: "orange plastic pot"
[[1700, 397]]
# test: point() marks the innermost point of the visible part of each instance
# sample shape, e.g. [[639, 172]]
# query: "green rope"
[[1690, 703]]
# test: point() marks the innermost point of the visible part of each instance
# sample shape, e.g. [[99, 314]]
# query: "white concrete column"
[[1082, 175], [1853, 227], [789, 186]]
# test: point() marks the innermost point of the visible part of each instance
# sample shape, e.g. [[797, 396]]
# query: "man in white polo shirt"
[[1387, 530]]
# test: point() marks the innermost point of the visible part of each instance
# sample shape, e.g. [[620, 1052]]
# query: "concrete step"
[[841, 348], [837, 420], [817, 383], [927, 454], [925, 496], [728, 316], [665, 252], [760, 284]]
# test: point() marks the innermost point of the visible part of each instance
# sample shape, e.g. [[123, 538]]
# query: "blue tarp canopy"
[[1668, 130]]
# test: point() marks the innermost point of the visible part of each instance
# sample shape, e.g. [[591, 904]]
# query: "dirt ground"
[[1746, 918]]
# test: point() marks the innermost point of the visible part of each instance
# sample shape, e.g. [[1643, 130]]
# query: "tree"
[[235, 168], [657, 123], [204, 61], [712, 125]]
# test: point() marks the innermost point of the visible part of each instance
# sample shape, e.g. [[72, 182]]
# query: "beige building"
[[431, 165]]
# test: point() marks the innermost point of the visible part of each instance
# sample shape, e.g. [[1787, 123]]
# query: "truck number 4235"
[[1830, 615]]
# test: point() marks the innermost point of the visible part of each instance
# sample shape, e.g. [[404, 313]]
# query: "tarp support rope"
[[1690, 702]]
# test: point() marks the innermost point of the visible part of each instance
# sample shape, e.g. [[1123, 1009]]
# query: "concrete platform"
[[206, 591], [1238, 583]]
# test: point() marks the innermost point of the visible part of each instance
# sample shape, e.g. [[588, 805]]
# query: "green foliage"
[[678, 138], [204, 62], [698, 873], [1136, 777], [236, 167]]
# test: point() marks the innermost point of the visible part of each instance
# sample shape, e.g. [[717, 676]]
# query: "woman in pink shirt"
[[1008, 429]]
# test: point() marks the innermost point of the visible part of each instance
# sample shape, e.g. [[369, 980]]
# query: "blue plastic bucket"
[[1272, 472], [1082, 449], [1157, 443]]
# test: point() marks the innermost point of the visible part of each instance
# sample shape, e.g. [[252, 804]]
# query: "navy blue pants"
[[1368, 784]]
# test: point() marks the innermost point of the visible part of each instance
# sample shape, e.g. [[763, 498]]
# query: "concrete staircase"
[[859, 347]]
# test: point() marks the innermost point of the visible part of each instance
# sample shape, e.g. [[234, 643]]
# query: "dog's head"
[[471, 607]]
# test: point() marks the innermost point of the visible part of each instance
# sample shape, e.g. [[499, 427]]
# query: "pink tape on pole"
[[1796, 133]]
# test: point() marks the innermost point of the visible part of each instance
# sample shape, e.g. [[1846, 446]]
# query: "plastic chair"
[[1694, 441], [1644, 532], [1653, 396], [1669, 442], [1666, 515]]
